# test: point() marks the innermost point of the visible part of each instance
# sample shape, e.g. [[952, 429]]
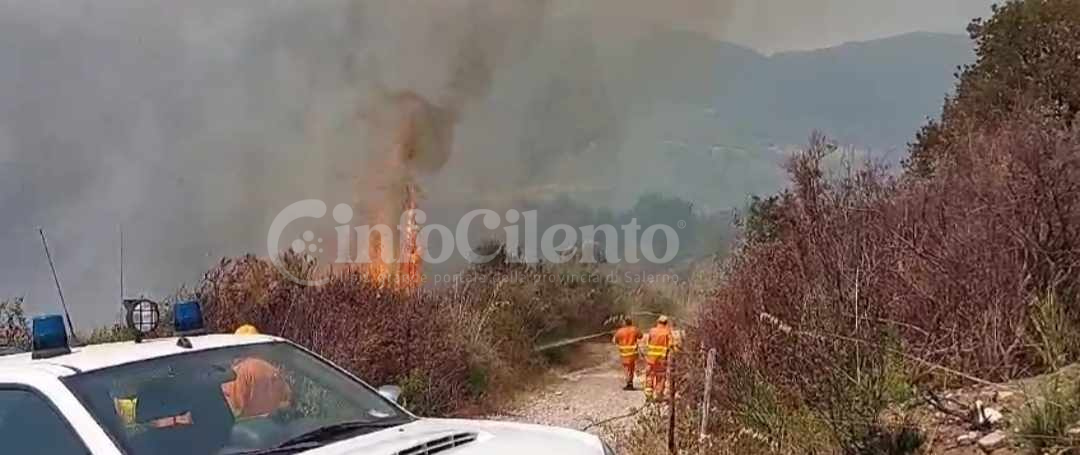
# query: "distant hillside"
[[873, 93], [703, 119]]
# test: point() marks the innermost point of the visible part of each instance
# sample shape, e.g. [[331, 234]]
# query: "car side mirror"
[[391, 392]]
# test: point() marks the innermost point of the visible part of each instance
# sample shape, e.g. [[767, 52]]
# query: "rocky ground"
[[953, 424], [585, 395]]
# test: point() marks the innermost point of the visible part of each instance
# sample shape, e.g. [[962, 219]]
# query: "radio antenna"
[[120, 227], [63, 303]]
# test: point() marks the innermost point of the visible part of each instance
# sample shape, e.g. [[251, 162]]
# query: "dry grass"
[[1049, 414]]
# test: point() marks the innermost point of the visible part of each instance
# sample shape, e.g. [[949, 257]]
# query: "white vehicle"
[[169, 396]]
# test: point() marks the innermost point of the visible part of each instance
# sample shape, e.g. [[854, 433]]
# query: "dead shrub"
[[14, 328], [854, 274], [449, 348]]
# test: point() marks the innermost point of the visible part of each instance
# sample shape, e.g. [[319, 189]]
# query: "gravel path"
[[587, 393]]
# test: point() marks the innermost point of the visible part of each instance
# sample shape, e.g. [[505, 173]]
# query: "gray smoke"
[[193, 123], [429, 59]]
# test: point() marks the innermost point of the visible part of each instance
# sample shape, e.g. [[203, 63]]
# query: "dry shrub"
[[851, 289], [851, 277], [382, 335], [14, 328], [448, 348], [543, 301]]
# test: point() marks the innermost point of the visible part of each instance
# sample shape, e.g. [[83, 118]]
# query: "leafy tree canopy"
[[1028, 53]]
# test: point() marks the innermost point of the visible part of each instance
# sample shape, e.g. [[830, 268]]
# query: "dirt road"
[[587, 392]]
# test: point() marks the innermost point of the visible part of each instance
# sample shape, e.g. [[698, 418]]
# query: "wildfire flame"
[[410, 261], [405, 270], [410, 136]]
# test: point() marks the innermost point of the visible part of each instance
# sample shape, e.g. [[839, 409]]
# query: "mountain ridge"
[[705, 119]]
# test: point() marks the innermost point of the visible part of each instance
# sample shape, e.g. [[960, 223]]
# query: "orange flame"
[[410, 261]]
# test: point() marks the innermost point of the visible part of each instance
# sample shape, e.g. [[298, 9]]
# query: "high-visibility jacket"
[[626, 339], [125, 408], [658, 345], [259, 389]]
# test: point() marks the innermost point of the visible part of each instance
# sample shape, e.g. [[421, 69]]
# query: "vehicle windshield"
[[230, 400]]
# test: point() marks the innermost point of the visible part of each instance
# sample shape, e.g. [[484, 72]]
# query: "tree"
[[653, 209], [762, 220], [1027, 54]]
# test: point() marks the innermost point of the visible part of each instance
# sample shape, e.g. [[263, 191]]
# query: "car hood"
[[492, 438]]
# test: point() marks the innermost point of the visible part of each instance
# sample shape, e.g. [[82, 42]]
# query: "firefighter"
[[626, 339], [259, 388], [659, 344], [251, 368]]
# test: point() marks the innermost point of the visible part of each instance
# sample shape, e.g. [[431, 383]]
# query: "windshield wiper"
[[274, 450], [322, 435], [330, 432]]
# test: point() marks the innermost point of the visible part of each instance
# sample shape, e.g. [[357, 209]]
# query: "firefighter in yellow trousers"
[[659, 344]]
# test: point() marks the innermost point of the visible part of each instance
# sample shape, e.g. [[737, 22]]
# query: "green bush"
[[416, 390]]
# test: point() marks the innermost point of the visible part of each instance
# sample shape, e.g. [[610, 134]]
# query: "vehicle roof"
[[98, 356]]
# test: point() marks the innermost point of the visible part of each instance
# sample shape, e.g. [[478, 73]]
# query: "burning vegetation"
[[410, 138], [436, 61]]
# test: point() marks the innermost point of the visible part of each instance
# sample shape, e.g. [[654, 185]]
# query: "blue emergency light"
[[50, 337], [187, 318]]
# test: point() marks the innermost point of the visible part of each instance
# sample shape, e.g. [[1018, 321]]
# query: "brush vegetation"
[[453, 350], [858, 286]]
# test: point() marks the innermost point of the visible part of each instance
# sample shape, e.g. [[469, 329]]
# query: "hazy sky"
[[778, 25], [192, 123], [768, 25]]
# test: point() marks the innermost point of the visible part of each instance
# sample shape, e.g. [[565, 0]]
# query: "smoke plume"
[[193, 123], [430, 59]]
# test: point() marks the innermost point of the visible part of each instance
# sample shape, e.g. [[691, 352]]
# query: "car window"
[[29, 424], [225, 400]]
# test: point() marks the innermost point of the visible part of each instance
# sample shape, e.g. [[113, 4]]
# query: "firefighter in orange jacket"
[[626, 339], [659, 344], [259, 388]]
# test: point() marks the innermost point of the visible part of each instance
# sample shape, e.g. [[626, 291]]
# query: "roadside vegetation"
[[859, 288], [454, 350], [851, 295], [14, 329]]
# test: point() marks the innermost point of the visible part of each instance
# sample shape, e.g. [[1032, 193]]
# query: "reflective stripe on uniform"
[[656, 351], [658, 344], [125, 408], [628, 351]]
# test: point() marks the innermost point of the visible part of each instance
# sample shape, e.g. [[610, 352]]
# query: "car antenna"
[[56, 279], [120, 228]]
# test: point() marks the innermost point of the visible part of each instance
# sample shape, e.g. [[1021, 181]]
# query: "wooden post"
[[710, 364], [671, 402]]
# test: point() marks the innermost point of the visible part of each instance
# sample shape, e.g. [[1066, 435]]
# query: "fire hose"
[[569, 341]]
